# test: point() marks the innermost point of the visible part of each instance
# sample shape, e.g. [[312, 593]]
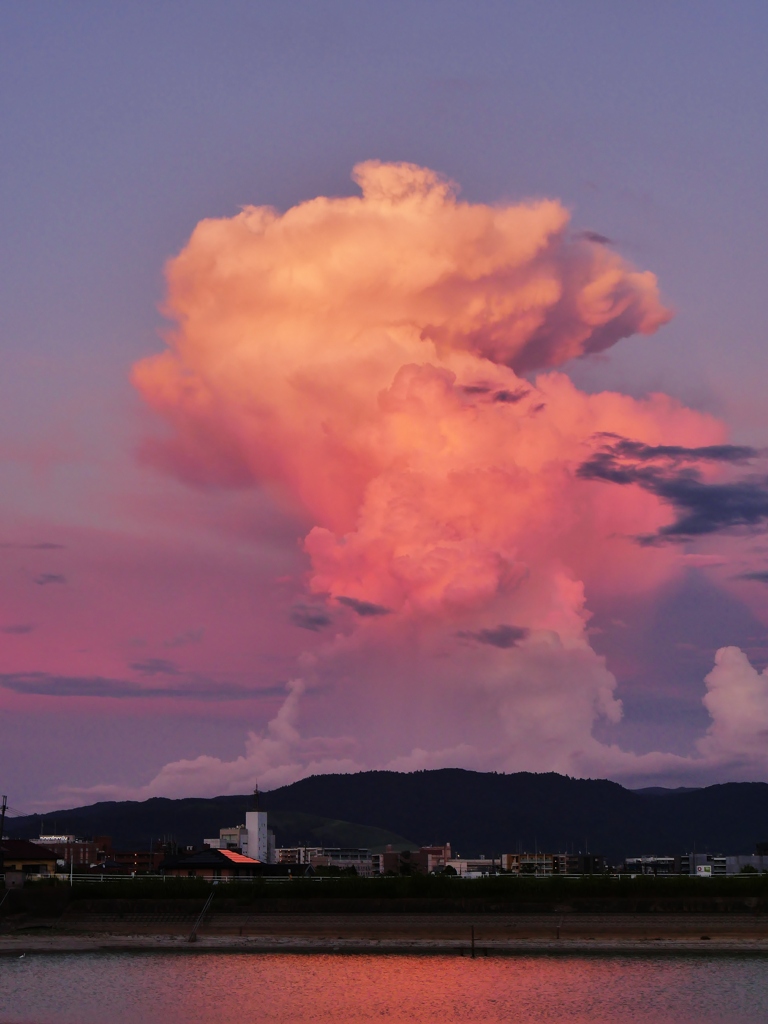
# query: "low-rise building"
[[137, 861], [702, 865], [473, 867], [297, 854], [651, 865], [328, 856], [20, 858], [79, 855], [433, 858], [72, 852], [344, 858], [424, 861], [720, 865], [580, 864], [543, 865], [530, 863], [393, 862]]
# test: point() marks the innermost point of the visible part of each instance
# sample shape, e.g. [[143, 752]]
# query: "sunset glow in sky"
[[381, 391]]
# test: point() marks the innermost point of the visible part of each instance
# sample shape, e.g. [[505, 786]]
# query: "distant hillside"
[[477, 812], [134, 825], [491, 813]]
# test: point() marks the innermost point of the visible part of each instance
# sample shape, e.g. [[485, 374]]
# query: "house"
[[20, 859], [212, 865]]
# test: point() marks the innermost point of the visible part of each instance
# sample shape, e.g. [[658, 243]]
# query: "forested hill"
[[493, 813], [477, 812]]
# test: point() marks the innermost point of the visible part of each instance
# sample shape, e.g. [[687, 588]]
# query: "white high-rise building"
[[257, 843]]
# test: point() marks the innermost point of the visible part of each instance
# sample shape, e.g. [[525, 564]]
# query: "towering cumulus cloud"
[[371, 361]]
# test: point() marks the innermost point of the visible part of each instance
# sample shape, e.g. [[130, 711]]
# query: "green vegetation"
[[295, 828]]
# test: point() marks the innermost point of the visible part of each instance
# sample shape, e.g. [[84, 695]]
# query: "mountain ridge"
[[478, 812]]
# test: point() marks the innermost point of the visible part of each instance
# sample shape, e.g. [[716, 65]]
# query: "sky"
[[382, 387]]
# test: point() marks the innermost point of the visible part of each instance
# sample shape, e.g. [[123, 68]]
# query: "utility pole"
[[2, 826]]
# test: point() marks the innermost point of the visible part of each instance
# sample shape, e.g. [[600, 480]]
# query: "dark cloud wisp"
[[617, 447], [46, 578], [366, 609], [310, 616], [760, 576], [47, 685], [595, 237], [504, 636], [155, 667], [43, 545], [503, 395], [510, 397], [189, 636], [669, 472]]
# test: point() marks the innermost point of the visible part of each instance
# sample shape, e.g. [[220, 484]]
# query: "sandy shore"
[[400, 933]]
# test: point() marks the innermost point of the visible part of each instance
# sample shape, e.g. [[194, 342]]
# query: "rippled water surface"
[[237, 989]]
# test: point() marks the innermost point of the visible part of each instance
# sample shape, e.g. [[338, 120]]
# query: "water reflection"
[[224, 988]]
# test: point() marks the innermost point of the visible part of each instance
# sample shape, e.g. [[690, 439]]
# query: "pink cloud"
[[367, 365]]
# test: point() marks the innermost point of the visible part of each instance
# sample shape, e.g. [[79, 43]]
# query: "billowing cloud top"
[[361, 355]]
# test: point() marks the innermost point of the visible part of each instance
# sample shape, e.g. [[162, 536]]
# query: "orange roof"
[[238, 858]]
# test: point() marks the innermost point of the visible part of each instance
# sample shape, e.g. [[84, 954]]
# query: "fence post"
[[193, 933]]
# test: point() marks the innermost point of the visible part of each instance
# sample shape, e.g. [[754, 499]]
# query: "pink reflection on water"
[[290, 989], [424, 990]]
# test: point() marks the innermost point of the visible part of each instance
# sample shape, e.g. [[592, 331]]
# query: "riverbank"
[[501, 934], [483, 948]]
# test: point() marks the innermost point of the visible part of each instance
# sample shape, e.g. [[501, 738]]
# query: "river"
[[230, 988]]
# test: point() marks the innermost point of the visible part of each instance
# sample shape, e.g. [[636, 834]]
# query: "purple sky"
[[149, 615]]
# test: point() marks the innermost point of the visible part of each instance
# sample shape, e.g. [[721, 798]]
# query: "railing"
[[92, 877], [269, 879], [96, 877], [238, 880], [107, 876]]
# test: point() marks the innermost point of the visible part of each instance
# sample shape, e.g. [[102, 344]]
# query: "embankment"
[[511, 918]]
